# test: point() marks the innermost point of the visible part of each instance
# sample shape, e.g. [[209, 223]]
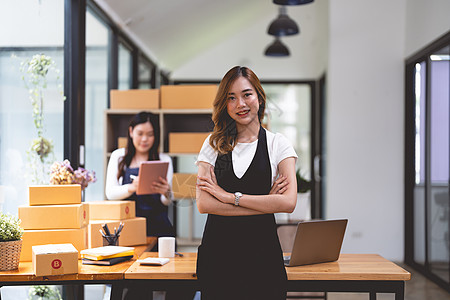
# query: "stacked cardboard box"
[[112, 213], [55, 215]]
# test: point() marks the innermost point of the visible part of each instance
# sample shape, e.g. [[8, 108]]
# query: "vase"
[[10, 255]]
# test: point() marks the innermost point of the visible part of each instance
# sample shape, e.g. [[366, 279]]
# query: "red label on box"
[[127, 210], [56, 264]]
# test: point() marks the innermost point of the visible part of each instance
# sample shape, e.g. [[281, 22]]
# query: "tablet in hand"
[[149, 172]]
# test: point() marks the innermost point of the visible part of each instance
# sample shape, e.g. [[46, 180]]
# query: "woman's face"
[[243, 102], [143, 137]]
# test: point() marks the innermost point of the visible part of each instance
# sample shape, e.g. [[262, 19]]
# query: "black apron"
[[150, 207], [240, 256]]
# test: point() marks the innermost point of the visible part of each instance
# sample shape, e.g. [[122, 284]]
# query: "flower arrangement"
[[10, 229], [63, 173]]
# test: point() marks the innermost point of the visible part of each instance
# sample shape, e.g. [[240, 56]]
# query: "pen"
[[179, 254], [120, 229], [102, 233], [106, 229]]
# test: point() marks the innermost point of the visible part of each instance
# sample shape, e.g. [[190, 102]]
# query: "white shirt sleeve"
[[283, 148], [164, 157], [114, 189], [207, 153]]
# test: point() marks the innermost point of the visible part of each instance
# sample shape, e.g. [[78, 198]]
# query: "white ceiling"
[[175, 32]]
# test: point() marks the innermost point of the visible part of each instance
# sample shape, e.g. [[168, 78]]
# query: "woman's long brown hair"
[[130, 151], [223, 137]]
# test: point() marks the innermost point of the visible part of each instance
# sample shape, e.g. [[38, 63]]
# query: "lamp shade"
[[283, 25], [277, 48], [292, 2]]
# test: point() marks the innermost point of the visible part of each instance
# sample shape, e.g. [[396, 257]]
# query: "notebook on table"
[[317, 241]]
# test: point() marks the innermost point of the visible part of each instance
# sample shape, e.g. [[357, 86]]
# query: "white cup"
[[166, 246]]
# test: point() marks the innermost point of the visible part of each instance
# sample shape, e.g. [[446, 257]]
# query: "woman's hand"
[[210, 186], [161, 187], [132, 187], [280, 185]]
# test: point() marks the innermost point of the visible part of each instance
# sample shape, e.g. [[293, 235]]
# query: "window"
[[125, 64], [96, 101], [427, 161], [39, 30]]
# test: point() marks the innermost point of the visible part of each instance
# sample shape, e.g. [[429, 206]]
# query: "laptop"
[[317, 241]]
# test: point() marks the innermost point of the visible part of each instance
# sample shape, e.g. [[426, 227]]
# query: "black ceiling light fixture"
[[292, 2], [277, 48], [283, 25]]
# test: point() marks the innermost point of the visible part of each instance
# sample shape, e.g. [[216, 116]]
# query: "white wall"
[[425, 22], [365, 124]]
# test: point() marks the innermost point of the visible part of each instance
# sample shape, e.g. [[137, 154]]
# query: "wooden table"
[[368, 273], [365, 273], [87, 274]]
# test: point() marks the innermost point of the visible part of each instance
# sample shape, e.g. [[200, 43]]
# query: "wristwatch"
[[237, 196]]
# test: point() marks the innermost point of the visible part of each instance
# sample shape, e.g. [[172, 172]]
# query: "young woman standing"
[[245, 174]]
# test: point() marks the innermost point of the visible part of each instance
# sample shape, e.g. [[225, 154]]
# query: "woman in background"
[[123, 169], [245, 174]]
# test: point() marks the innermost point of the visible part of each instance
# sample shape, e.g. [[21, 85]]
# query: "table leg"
[[400, 293], [117, 290], [372, 296]]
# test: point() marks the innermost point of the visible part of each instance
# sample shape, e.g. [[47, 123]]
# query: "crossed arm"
[[212, 199]]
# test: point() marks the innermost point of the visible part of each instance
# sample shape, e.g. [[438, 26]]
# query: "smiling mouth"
[[243, 113]]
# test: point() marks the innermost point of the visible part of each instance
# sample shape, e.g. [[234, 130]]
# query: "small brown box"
[[134, 231], [30, 238], [184, 185], [54, 216], [54, 194], [122, 142], [186, 142], [135, 99], [112, 210], [188, 96], [54, 259]]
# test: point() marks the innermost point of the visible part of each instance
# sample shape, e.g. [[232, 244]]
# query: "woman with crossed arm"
[[245, 175]]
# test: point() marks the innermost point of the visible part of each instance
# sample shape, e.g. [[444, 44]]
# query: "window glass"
[[124, 67], [145, 75], [96, 102], [289, 113], [37, 36]]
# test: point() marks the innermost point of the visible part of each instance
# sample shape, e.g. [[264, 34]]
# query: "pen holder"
[[110, 240]]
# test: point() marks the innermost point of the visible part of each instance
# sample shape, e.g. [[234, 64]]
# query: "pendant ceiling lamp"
[[277, 48], [283, 25], [292, 2]]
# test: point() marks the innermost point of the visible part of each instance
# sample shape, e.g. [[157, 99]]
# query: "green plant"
[[44, 292], [10, 229], [303, 185], [35, 71]]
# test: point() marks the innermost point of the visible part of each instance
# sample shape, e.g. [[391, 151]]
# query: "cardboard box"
[[30, 238], [112, 210], [186, 142], [54, 194], [135, 99], [54, 259], [134, 232], [184, 185], [122, 142], [188, 96], [54, 216]]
